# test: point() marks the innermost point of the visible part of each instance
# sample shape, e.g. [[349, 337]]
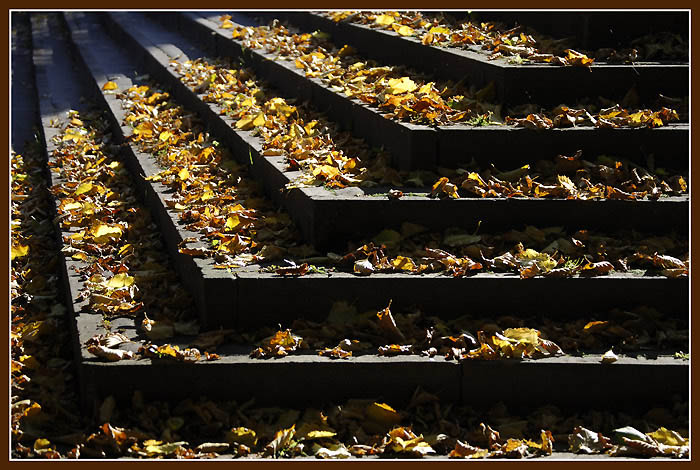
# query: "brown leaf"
[[388, 326], [295, 270]]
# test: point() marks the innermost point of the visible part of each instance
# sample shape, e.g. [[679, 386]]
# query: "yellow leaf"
[[103, 233], [245, 123], [233, 222], [83, 188], [319, 434], [594, 324], [120, 280], [110, 86], [164, 449], [439, 29], [401, 85], [73, 135], [71, 206], [427, 88], [227, 24], [383, 413], [259, 120], [346, 50], [164, 136], [19, 250], [525, 335], [183, 174], [80, 256], [243, 436], [403, 263], [42, 444], [384, 20], [403, 30], [278, 106], [668, 437]]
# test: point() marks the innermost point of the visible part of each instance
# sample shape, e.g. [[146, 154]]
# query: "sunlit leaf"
[[282, 440], [403, 30], [384, 20], [609, 357], [18, 250], [120, 280], [383, 414], [242, 435], [401, 85]]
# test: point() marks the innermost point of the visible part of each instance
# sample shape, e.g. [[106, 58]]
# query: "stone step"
[[246, 290], [633, 382], [591, 29], [323, 215], [22, 94], [514, 83], [418, 146]]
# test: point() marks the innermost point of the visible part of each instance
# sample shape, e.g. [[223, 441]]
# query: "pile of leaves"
[[406, 95], [46, 422], [121, 260], [409, 334], [307, 140], [212, 194], [347, 333], [565, 177], [431, 31], [361, 428], [628, 441], [237, 226], [43, 398], [613, 117], [519, 44], [401, 94], [550, 252], [310, 143]]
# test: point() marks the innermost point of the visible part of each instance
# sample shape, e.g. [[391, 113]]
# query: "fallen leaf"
[[609, 357]]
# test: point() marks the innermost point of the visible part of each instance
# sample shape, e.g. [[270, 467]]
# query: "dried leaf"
[[585, 441], [295, 270], [388, 326], [609, 357], [282, 440], [109, 353], [383, 414]]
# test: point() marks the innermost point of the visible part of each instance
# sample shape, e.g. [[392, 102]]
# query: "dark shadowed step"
[[591, 29], [24, 113]]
